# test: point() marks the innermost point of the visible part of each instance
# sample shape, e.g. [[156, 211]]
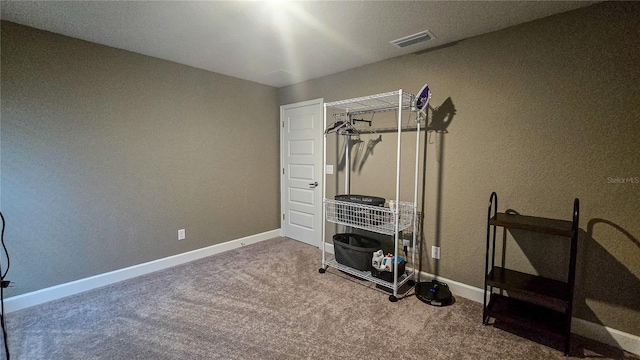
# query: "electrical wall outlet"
[[181, 234], [435, 252], [406, 243]]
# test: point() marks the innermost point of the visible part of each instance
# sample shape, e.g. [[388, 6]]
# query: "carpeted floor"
[[263, 301]]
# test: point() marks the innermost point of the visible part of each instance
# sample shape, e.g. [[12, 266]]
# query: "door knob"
[[313, 185]]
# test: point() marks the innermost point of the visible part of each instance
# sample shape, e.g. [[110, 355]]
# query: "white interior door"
[[301, 186]]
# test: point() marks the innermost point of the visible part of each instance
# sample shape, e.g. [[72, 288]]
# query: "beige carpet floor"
[[263, 301]]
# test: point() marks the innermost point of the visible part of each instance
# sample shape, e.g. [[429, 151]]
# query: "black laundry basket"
[[355, 251]]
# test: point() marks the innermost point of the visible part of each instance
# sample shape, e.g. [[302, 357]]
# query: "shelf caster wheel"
[[322, 270], [411, 283], [393, 298]]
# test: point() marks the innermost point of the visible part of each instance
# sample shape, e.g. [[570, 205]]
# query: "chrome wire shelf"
[[367, 217], [365, 275], [378, 102], [376, 219]]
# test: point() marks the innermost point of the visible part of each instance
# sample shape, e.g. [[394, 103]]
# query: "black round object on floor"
[[434, 293]]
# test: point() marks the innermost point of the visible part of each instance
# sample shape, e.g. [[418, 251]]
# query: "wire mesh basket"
[[367, 217]]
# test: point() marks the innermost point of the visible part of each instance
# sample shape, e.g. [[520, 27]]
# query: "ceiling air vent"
[[413, 39]]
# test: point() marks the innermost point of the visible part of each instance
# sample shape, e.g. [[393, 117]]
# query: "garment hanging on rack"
[[349, 130], [334, 127], [342, 128]]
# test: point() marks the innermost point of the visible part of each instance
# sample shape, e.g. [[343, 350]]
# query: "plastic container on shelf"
[[388, 275]]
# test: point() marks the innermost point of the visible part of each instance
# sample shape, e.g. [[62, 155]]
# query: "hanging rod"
[[391, 108], [389, 130]]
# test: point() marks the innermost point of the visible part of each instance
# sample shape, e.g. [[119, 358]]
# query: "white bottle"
[[392, 207]]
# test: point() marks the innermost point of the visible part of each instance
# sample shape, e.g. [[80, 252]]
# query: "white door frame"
[[320, 103]]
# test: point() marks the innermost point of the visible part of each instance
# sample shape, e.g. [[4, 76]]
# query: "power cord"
[[3, 284]]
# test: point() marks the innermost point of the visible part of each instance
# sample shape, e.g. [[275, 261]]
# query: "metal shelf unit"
[[382, 220]]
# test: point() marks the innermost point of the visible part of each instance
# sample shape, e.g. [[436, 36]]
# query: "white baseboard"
[[597, 332], [23, 301], [328, 248], [606, 335]]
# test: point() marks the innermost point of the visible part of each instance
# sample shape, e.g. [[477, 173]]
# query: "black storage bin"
[[354, 250], [356, 215], [361, 199], [386, 275]]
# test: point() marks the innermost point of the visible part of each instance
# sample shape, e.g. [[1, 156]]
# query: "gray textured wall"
[[107, 153], [544, 112]]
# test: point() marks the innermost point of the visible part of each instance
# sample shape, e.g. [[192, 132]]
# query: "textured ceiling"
[[277, 43]]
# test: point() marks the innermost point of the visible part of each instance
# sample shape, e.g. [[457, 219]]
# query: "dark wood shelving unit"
[[535, 306]]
